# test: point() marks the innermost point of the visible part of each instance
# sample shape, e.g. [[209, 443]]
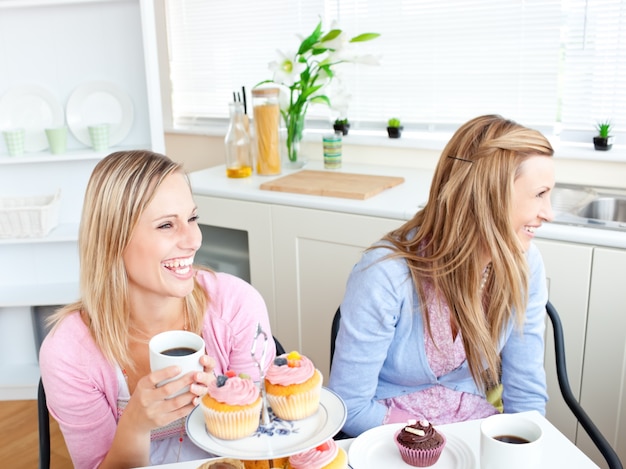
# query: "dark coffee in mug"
[[178, 351], [516, 440]]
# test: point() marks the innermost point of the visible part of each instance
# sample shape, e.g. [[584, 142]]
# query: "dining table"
[[375, 448]]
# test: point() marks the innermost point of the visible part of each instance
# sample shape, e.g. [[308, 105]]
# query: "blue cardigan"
[[380, 351]]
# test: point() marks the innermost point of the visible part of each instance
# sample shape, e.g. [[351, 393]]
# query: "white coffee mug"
[[182, 348], [510, 441]]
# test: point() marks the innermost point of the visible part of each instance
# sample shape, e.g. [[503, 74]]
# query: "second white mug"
[[510, 441]]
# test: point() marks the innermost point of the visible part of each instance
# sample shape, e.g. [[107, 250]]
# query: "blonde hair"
[[120, 188], [467, 219]]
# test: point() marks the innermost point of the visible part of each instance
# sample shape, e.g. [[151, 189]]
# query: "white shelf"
[[45, 157], [44, 271], [63, 233], [39, 295], [84, 154]]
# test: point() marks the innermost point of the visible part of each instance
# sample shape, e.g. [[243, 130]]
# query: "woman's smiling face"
[[159, 256], [531, 204]]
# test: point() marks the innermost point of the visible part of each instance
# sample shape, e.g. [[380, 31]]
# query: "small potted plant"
[[342, 125], [604, 140], [394, 128]]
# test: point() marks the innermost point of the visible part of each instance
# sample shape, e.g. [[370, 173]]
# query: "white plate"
[[282, 438], [375, 448], [32, 108], [99, 102]]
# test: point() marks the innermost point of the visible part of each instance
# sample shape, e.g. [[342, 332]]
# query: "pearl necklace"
[[485, 277]]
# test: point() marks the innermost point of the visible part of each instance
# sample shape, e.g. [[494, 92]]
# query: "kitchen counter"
[[400, 202]]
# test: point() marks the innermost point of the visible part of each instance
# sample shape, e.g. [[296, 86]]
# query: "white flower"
[[283, 97], [350, 54], [339, 96], [322, 79], [305, 75], [338, 43], [287, 69]]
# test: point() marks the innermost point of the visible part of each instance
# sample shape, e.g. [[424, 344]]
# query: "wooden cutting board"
[[333, 184]]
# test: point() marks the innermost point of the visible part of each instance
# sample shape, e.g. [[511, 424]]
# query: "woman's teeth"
[[179, 266]]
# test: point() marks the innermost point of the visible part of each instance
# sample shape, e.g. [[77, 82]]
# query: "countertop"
[[400, 202]]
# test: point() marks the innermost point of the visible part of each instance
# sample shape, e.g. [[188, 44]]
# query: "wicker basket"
[[29, 217]]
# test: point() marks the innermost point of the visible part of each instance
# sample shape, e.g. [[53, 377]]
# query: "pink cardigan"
[[82, 386]]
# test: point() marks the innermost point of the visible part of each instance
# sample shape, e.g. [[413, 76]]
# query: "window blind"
[[594, 75], [550, 64]]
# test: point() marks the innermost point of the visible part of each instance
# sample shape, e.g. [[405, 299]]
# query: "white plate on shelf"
[[375, 448], [99, 102], [32, 108], [283, 437]]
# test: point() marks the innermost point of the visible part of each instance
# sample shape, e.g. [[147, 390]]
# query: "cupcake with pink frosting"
[[231, 406], [328, 455], [293, 386]]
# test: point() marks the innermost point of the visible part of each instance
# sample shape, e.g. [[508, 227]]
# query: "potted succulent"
[[394, 128], [342, 125], [604, 140]]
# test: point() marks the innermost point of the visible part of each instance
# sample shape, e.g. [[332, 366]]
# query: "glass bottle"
[[237, 143], [266, 130]]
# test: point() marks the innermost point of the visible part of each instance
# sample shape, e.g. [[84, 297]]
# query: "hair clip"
[[460, 159]]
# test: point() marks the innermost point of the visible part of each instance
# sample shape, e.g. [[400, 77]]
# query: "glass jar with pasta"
[[266, 114]]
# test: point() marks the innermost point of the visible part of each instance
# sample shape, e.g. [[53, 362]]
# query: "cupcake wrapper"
[[296, 406], [232, 425], [420, 457]]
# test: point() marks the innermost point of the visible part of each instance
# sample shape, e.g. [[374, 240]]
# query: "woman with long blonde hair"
[[452, 303], [138, 237]]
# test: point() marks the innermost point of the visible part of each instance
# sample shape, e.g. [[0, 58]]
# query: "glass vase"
[[294, 158]]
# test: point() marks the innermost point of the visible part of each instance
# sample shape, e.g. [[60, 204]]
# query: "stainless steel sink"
[[590, 206], [605, 208]]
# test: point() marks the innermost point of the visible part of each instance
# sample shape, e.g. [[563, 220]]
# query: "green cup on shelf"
[[99, 136], [14, 140], [57, 140]]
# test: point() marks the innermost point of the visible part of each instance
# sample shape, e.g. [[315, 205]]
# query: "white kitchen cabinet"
[[255, 219], [588, 289], [61, 45], [314, 252], [603, 392], [568, 270]]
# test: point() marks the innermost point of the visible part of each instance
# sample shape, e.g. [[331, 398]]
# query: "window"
[[556, 65]]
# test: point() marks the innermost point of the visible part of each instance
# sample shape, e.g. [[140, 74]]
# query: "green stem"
[[295, 125]]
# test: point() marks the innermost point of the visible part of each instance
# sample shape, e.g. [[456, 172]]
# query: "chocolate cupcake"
[[420, 445]]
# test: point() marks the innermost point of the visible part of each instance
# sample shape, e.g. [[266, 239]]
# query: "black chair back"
[[279, 348], [44, 428], [583, 418], [334, 329]]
